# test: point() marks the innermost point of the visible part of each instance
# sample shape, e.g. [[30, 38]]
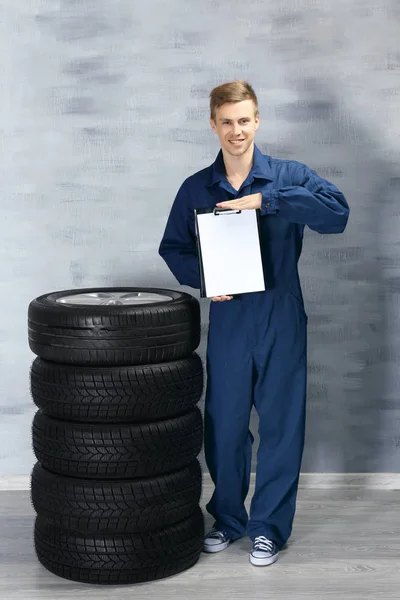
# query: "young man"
[[257, 343]]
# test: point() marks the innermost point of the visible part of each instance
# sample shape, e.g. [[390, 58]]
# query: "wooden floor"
[[345, 545]]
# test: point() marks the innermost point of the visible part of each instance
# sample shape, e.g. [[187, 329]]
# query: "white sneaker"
[[215, 541], [264, 552]]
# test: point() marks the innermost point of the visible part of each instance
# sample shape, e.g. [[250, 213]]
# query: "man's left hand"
[[246, 203]]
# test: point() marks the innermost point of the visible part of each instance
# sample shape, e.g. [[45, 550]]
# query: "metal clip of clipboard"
[[226, 211]]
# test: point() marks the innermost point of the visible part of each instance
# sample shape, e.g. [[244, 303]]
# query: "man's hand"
[[245, 203], [221, 298]]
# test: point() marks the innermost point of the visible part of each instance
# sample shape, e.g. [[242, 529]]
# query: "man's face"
[[236, 124]]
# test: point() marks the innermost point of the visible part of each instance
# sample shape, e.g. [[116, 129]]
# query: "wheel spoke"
[[127, 298]]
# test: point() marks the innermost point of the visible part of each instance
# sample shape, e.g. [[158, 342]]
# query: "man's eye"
[[242, 121]]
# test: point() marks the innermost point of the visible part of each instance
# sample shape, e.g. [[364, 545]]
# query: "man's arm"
[[312, 200], [178, 245]]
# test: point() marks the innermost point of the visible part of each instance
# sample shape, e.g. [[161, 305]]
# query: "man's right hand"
[[221, 298]]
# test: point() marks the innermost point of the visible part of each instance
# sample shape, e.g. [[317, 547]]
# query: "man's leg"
[[227, 438], [280, 400]]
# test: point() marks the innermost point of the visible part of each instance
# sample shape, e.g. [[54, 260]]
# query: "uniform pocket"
[[299, 304]]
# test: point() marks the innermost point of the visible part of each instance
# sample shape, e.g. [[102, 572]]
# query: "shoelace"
[[264, 544]]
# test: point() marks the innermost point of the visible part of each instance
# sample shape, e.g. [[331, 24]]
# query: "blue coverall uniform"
[[257, 342]]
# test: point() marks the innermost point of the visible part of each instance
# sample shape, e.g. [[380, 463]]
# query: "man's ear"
[[213, 125], [257, 121]]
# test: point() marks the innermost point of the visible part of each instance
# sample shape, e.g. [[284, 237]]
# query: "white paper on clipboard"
[[230, 254]]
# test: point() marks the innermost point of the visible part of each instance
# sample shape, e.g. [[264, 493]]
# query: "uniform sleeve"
[[311, 200], [178, 245]]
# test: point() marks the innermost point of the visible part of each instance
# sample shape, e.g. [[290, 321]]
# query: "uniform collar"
[[261, 168]]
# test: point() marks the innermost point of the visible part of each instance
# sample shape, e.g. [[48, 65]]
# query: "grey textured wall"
[[103, 113]]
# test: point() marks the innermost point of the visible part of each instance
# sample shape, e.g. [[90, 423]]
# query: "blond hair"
[[234, 91]]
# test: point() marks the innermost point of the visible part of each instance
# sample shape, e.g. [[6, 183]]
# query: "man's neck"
[[239, 166]]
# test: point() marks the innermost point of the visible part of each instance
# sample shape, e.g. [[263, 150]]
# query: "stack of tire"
[[117, 484]]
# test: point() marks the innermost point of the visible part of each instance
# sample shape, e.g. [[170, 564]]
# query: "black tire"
[[120, 559], [131, 394], [136, 506], [112, 451], [114, 334]]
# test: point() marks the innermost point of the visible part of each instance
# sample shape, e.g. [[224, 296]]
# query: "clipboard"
[[229, 251]]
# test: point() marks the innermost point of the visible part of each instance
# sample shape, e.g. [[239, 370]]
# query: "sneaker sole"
[[216, 548], [263, 562]]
